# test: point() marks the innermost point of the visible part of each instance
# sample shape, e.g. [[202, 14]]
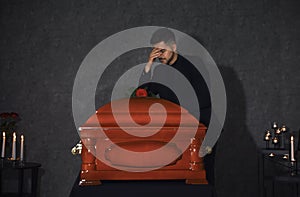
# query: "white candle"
[[13, 154], [292, 149], [22, 148], [274, 125], [3, 145]]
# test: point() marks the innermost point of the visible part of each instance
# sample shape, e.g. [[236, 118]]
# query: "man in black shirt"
[[153, 79], [164, 50]]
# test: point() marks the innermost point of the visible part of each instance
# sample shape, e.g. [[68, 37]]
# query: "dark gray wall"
[[254, 43]]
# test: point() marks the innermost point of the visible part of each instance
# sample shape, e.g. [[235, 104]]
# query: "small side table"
[[21, 166], [288, 180], [274, 178]]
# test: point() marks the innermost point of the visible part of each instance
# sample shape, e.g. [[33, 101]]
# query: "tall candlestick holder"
[[275, 142], [267, 138], [284, 130], [276, 138], [13, 146], [293, 168], [279, 136]]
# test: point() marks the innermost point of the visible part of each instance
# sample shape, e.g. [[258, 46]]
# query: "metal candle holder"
[[284, 131], [279, 140], [267, 138], [282, 138], [275, 141]]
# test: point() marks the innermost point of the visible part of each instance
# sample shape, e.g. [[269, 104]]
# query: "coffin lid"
[[139, 112]]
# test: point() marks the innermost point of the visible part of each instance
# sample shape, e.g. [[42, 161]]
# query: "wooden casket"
[[141, 139]]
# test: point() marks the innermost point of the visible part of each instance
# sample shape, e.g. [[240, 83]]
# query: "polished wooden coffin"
[[141, 139]]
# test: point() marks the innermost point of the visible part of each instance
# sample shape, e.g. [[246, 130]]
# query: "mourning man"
[[165, 51]]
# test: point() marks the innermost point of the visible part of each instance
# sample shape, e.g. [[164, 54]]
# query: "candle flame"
[[3, 134], [22, 137]]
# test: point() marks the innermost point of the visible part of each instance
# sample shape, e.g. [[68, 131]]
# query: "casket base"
[[196, 181], [95, 177], [84, 182]]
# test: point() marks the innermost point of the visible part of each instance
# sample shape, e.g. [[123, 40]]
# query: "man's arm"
[[145, 78], [155, 53], [146, 74]]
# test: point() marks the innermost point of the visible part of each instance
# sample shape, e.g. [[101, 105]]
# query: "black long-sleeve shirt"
[[164, 74]]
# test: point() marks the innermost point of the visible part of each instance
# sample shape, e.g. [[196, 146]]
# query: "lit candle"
[[277, 131], [275, 140], [22, 148], [292, 149], [274, 125], [283, 128], [13, 154], [267, 135], [3, 145]]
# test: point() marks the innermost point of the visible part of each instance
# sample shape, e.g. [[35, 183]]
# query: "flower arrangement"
[[142, 92], [8, 122]]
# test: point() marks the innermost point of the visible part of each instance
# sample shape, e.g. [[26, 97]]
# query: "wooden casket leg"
[[88, 163], [196, 164]]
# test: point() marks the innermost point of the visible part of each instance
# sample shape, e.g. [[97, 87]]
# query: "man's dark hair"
[[164, 35]]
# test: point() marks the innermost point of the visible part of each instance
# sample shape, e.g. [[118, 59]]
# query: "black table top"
[[8, 164]]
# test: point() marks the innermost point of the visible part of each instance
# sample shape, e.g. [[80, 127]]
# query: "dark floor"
[[142, 188]]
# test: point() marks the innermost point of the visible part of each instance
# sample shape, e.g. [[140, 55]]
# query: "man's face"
[[167, 52]]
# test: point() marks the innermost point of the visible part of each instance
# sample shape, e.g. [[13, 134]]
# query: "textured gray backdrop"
[[254, 43]]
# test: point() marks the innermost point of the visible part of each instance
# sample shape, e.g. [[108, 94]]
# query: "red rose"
[[141, 92], [4, 115], [14, 115]]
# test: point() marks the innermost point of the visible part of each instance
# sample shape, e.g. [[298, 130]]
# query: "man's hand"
[[155, 53]]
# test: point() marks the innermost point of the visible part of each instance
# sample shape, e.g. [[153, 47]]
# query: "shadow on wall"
[[236, 156]]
